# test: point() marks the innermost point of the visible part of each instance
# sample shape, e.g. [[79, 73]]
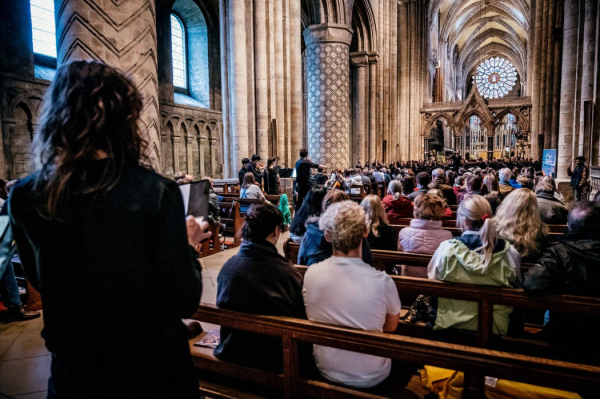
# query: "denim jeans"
[[9, 290]]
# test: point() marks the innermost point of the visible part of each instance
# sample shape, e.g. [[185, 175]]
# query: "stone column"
[[372, 106], [588, 74], [536, 25], [175, 140], [260, 64], [188, 152], [568, 87], [279, 80], [360, 61], [123, 35], [238, 87], [296, 121], [327, 47], [201, 144], [212, 151], [225, 104]]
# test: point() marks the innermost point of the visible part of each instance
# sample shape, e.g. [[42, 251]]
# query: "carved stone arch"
[[326, 11], [25, 98], [198, 123], [364, 27], [431, 122], [522, 120]]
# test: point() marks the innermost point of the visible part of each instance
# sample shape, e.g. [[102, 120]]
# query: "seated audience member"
[[513, 179], [439, 183], [552, 211], [381, 235], [571, 268], [314, 247], [352, 179], [365, 179], [518, 220], [395, 204], [450, 177], [525, 182], [504, 186], [425, 233], [408, 184], [214, 211], [249, 189], [478, 257], [459, 188], [258, 280], [378, 175], [474, 185], [423, 180], [552, 182], [492, 196], [345, 291], [447, 211], [310, 208]]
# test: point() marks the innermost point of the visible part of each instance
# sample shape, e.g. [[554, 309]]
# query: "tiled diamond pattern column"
[[328, 96]]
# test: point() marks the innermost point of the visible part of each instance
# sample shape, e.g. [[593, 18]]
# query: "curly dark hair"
[[91, 111]]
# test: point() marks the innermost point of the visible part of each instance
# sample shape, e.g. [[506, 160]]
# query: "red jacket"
[[400, 208]]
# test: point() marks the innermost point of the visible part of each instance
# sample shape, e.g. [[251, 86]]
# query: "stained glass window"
[[495, 77], [178, 52], [43, 27]]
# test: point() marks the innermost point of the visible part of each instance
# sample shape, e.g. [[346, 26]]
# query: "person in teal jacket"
[[478, 257], [284, 207]]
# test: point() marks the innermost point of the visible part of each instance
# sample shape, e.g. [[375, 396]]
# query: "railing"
[[594, 180], [489, 100]]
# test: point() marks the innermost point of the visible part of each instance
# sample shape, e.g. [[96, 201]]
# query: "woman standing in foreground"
[[104, 240]]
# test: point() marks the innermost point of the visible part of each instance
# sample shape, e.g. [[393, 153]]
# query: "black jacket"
[[116, 276], [571, 267], [258, 280], [552, 211], [385, 239], [241, 173], [257, 175]]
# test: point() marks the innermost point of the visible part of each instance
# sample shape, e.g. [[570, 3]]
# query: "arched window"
[[43, 27], [178, 52]]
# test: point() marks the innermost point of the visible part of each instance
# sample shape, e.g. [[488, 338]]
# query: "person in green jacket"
[[284, 207], [477, 257]]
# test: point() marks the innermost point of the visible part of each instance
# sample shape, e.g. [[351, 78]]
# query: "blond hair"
[[375, 214], [518, 220], [429, 207], [474, 213], [344, 225]]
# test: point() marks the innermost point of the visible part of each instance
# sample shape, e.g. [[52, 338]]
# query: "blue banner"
[[549, 163]]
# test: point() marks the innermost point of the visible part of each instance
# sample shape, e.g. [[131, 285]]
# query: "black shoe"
[[20, 314]]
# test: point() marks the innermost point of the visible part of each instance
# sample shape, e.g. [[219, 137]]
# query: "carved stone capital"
[[175, 139], [202, 140], [359, 59], [212, 141], [373, 57], [327, 33]]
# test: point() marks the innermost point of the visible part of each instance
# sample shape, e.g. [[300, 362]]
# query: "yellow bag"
[[448, 384]]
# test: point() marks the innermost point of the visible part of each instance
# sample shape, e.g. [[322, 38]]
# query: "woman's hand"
[[196, 232]]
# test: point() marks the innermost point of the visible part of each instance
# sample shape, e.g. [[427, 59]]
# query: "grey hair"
[[439, 173], [344, 224], [505, 174], [395, 189]]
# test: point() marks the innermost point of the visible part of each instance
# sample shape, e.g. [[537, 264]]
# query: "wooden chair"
[[233, 221]]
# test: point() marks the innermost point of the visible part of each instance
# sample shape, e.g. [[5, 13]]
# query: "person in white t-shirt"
[[379, 176], [345, 291]]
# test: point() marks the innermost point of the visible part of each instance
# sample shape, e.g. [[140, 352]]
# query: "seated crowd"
[[503, 224]]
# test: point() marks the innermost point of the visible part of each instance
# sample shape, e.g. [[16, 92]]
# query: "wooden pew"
[[487, 297], [233, 221], [240, 381], [273, 199], [358, 197], [206, 250], [381, 189], [220, 188], [384, 260], [552, 236], [555, 229]]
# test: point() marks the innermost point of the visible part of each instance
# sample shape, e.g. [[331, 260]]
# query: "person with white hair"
[[505, 187], [345, 291], [478, 257]]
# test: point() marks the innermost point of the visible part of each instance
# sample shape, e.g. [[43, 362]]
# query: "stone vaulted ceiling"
[[480, 29]]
